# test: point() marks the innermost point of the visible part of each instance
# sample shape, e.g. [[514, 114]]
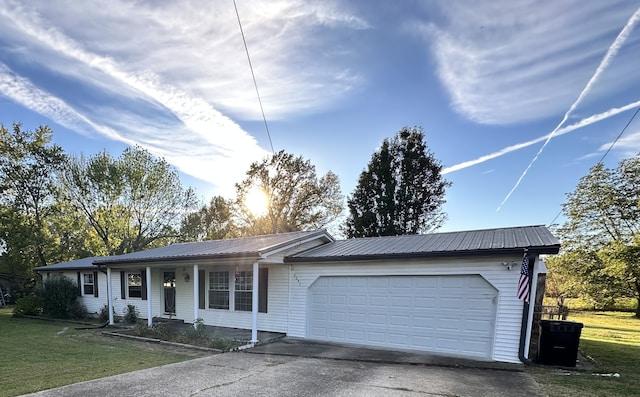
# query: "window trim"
[[85, 284], [243, 277], [211, 290], [128, 281], [263, 287]]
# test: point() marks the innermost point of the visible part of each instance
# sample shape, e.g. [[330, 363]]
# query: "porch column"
[[149, 313], [254, 305], [196, 294], [109, 297]]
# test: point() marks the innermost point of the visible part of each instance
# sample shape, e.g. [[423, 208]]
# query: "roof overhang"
[[551, 249]]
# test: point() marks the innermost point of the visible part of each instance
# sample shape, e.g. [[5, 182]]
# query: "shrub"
[[103, 314], [78, 311], [28, 306], [58, 295], [131, 314]]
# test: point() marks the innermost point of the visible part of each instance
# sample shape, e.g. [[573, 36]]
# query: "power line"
[[607, 152], [255, 84]]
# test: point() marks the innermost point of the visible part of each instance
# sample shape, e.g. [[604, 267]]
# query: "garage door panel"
[[378, 301], [424, 303], [443, 314], [400, 302], [401, 282], [403, 321]]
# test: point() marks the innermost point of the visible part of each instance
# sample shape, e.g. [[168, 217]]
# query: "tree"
[[133, 202], [29, 164], [211, 222], [400, 192], [603, 229], [297, 198]]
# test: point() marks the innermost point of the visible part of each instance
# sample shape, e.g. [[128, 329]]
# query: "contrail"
[[611, 52], [582, 123]]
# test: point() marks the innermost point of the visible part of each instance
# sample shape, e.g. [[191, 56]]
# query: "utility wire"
[[255, 84], [607, 152]]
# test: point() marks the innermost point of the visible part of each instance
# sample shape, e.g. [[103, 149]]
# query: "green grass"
[[37, 355], [612, 340]]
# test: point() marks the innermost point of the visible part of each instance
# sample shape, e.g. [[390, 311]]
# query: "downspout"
[[525, 315]]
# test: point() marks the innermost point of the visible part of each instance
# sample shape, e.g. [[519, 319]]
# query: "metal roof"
[[246, 247], [78, 264], [537, 239]]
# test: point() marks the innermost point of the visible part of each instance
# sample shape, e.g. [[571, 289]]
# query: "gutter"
[[525, 316], [419, 255]]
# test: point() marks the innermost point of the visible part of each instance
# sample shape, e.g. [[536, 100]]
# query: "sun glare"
[[256, 201]]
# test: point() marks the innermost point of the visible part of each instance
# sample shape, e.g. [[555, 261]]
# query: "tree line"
[[600, 256], [56, 207]]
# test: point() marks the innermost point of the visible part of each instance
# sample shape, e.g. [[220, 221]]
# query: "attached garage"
[[452, 294], [454, 315]]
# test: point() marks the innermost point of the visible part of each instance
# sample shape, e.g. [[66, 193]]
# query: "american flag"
[[523, 284]]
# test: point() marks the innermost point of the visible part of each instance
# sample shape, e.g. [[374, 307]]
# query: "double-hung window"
[[134, 284], [88, 283], [219, 290], [243, 291]]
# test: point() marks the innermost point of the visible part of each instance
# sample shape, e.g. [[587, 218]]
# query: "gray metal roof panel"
[[233, 248], [537, 239], [78, 264]]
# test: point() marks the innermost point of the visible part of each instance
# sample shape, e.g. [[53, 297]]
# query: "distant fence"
[[553, 312]]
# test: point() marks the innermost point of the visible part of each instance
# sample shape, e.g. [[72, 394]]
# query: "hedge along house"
[[446, 293], [91, 282]]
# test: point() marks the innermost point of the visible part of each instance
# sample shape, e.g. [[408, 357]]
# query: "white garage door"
[[452, 315]]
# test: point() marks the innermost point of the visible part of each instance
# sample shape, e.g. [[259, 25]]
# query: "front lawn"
[[612, 340], [38, 355]]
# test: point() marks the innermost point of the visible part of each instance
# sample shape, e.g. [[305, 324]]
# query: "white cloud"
[[219, 165], [510, 61], [131, 51], [197, 46], [582, 123], [628, 144]]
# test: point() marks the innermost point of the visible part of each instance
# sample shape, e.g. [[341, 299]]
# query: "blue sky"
[[493, 84]]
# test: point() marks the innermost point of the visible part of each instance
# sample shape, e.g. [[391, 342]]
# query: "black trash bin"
[[558, 342]]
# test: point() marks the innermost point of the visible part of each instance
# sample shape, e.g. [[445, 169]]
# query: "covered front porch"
[[185, 292]]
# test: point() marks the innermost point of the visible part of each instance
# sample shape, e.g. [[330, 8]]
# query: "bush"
[[78, 311], [131, 314], [28, 306], [58, 295], [103, 314]]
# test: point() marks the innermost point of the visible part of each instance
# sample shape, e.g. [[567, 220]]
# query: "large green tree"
[[400, 192], [29, 165], [297, 199], [132, 202], [211, 222], [601, 237]]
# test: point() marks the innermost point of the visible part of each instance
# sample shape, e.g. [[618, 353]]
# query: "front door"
[[169, 293]]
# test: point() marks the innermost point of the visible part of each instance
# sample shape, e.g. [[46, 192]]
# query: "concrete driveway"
[[241, 373]]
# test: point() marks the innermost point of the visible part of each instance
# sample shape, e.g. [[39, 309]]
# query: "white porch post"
[[109, 296], [254, 305], [149, 312], [196, 293]]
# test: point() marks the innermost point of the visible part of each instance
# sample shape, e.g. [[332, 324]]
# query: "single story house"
[[448, 293]]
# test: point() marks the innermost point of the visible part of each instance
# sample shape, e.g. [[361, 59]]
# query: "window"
[[88, 283], [243, 290], [135, 285], [219, 290]]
